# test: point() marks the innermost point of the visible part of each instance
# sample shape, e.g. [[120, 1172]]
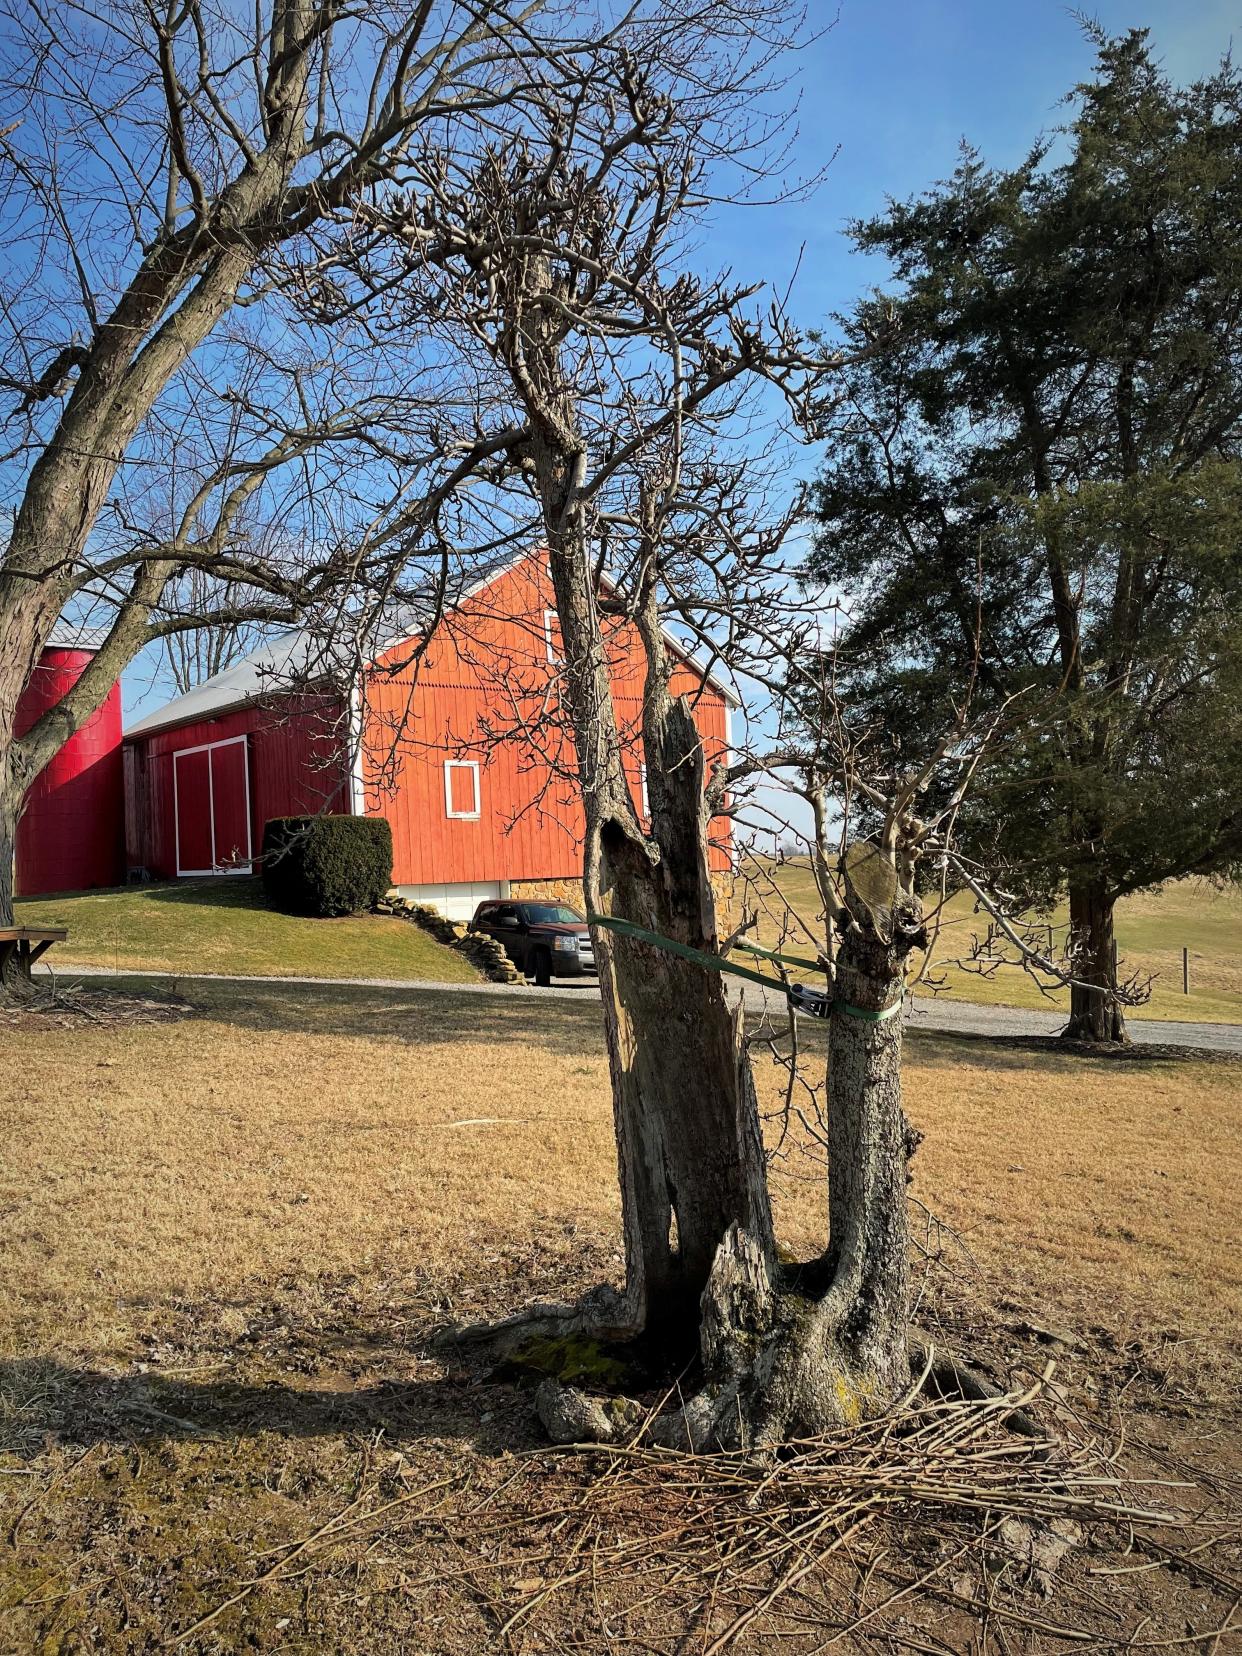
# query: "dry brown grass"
[[161, 1164], [153, 1165], [226, 1237]]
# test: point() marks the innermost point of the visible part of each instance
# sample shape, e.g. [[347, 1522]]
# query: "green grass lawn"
[[1152, 929], [226, 925]]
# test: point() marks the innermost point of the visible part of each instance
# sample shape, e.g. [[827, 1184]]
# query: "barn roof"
[[304, 658], [68, 635], [294, 657]]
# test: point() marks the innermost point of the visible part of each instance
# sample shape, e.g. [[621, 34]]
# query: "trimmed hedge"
[[326, 865]]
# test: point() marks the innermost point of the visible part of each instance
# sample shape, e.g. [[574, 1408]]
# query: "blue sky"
[[898, 85], [894, 88]]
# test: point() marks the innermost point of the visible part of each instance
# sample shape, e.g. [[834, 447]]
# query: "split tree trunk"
[[690, 1151], [1095, 1012], [789, 1351]]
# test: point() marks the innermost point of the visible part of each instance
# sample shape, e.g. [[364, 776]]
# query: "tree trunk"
[[789, 1352], [690, 1151], [1095, 1012], [9, 809], [867, 1156], [31, 613]]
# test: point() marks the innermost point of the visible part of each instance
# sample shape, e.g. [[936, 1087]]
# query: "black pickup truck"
[[544, 940]]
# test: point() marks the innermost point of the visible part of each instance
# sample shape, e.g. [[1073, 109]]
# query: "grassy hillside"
[[1151, 931], [227, 926]]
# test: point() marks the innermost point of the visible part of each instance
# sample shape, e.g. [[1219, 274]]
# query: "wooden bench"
[[21, 946]]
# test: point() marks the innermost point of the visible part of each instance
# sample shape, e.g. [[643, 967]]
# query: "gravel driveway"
[[959, 1018], [927, 1012]]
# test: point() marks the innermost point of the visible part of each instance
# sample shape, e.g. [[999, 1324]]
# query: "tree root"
[[716, 1418], [773, 1366], [946, 1378], [602, 1316]]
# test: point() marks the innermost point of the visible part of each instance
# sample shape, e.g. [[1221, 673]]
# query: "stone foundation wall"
[[727, 915], [547, 891]]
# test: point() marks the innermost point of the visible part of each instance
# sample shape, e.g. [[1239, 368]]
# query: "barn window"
[[549, 635], [461, 789]]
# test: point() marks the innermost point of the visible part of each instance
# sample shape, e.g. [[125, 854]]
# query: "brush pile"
[[938, 1529]]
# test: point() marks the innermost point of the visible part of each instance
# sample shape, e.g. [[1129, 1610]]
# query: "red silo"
[[72, 832]]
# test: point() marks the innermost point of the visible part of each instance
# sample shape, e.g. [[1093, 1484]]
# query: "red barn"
[[69, 837], [459, 746]]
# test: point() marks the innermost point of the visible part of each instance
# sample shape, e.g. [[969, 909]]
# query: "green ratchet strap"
[[807, 1000], [714, 963], [785, 960], [861, 1013]]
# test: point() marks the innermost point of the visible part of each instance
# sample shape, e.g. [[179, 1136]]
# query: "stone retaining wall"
[[481, 951]]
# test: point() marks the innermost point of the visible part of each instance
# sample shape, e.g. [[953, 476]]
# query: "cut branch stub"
[[871, 877]]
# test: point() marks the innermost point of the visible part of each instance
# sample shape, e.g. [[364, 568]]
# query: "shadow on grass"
[[239, 891], [554, 1022], [83, 1406], [943, 1049], [566, 1022]]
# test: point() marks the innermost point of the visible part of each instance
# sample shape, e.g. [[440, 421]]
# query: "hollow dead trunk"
[[1095, 1012], [689, 1146]]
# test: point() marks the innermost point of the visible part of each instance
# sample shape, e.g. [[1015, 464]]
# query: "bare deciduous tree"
[[624, 387], [174, 177]]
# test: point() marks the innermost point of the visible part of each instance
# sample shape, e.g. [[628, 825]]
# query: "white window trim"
[[642, 790], [233, 869], [549, 616], [450, 765]]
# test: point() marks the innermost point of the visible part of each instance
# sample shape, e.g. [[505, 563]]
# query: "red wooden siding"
[[232, 835], [211, 807], [294, 762], [70, 834], [487, 676], [486, 681]]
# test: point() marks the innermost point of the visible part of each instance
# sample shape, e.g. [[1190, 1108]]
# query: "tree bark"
[[1095, 1012], [868, 1241], [8, 853], [791, 1351], [690, 1151], [30, 617]]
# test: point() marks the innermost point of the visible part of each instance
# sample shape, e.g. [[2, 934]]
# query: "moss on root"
[[572, 1359]]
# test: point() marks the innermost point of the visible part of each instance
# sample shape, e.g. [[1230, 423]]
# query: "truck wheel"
[[543, 969]]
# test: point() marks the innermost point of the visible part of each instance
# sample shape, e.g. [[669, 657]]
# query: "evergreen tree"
[[1034, 485]]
